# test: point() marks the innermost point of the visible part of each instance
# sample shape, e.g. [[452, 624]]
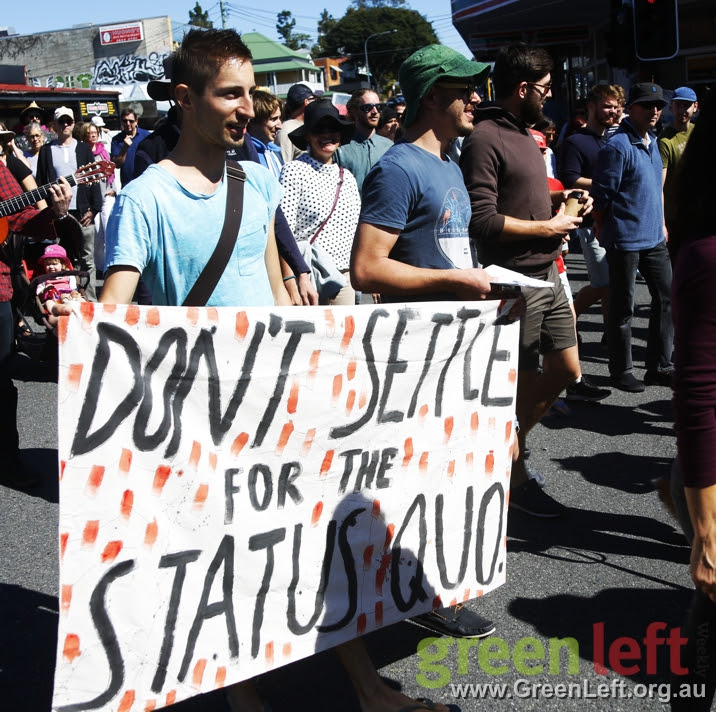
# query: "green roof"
[[263, 49], [284, 65]]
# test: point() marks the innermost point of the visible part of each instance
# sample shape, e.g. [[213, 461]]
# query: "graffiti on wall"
[[126, 69]]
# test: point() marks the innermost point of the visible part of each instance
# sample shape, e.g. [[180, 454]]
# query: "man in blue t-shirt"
[[125, 143], [412, 241]]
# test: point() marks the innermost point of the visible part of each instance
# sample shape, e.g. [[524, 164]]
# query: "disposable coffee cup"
[[573, 206]]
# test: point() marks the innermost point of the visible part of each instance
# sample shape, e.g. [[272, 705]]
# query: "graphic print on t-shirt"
[[451, 229]]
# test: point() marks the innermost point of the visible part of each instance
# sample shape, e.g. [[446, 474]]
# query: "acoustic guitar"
[[91, 173]]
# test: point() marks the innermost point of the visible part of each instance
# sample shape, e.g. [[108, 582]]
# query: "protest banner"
[[242, 488]]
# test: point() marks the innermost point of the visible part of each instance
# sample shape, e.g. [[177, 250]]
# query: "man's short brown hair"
[[202, 53], [601, 92], [265, 103], [517, 63], [355, 101]]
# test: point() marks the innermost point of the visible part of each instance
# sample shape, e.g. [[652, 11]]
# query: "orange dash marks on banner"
[[316, 514], [286, 650], [160, 478], [171, 697], [192, 315], [361, 623], [125, 461], [453, 602], [308, 441], [63, 543], [474, 422], [63, 464], [466, 595], [269, 653], [389, 534], [512, 375], [408, 448], [350, 401], [490, 462], [87, 311], [213, 460], [212, 314], [330, 322], [195, 454], [422, 413], [150, 706], [449, 425], [285, 435], [131, 316], [337, 385], [125, 704], [62, 325], [326, 464], [437, 602], [375, 512], [153, 317], [367, 556], [220, 678], [492, 424], [74, 375], [313, 364], [111, 551], [470, 460], [379, 613], [125, 507], [242, 326], [348, 330], [202, 492], [95, 479], [351, 369], [479, 593], [381, 572], [238, 445], [508, 431], [65, 597], [362, 400], [293, 397], [150, 533], [89, 534], [109, 308], [198, 674], [71, 649], [451, 469], [423, 466]]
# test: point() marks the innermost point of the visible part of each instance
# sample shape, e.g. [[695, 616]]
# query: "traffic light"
[[656, 29]]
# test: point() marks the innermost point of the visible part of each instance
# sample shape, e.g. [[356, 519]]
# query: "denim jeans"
[[655, 267]]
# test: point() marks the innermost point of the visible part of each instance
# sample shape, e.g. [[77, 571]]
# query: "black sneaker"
[[532, 500], [457, 621], [627, 382], [659, 378], [583, 390]]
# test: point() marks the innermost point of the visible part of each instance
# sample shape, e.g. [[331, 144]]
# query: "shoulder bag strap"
[[333, 207], [211, 274]]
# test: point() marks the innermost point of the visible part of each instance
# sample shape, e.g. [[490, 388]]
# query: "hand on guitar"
[[61, 195]]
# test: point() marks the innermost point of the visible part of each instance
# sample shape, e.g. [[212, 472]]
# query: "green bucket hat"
[[423, 68]]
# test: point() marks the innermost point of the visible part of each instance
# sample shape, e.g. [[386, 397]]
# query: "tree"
[[386, 52], [326, 22], [362, 4], [199, 18], [284, 26]]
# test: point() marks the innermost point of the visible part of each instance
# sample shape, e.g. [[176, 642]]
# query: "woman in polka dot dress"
[[319, 197]]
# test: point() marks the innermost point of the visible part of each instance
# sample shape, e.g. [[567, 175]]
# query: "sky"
[[48, 15]]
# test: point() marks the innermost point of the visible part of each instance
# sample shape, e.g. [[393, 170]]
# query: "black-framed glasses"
[[542, 89], [367, 108], [467, 88], [129, 121]]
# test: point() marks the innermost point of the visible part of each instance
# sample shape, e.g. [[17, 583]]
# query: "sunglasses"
[[467, 88], [65, 121], [367, 108], [649, 105]]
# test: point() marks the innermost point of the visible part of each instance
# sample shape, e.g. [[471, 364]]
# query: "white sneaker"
[[536, 475]]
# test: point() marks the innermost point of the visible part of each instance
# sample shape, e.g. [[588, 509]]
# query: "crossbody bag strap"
[[205, 284], [333, 207]]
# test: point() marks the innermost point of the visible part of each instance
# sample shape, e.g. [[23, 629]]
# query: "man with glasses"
[[366, 146], [513, 226], [125, 143], [62, 157], [629, 221], [412, 241]]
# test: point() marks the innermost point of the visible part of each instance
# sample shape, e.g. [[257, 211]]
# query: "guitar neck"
[[25, 200]]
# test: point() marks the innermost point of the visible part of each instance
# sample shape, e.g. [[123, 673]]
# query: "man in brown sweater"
[[513, 226]]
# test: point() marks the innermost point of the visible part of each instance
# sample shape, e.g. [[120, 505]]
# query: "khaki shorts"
[[548, 323]]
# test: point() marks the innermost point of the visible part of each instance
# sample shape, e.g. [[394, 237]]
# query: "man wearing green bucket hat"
[[412, 241]]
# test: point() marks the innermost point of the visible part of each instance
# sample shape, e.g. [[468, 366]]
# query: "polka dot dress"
[[309, 191]]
